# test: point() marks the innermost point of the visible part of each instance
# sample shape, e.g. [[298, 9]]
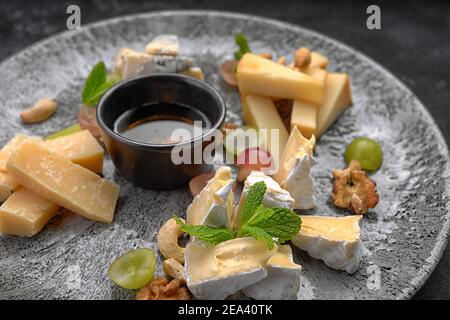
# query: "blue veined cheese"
[[214, 205], [275, 196], [132, 64], [294, 172], [215, 272], [164, 44], [334, 240], [282, 281]]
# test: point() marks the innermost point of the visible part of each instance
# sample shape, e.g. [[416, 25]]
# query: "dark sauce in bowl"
[[160, 122]]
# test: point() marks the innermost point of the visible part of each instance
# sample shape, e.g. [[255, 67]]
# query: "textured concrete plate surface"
[[402, 238]]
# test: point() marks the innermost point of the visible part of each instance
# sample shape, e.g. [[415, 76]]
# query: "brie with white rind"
[[282, 281], [294, 172], [214, 205], [275, 196], [164, 44], [334, 240], [215, 272]]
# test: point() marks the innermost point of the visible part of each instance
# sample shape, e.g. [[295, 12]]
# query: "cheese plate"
[[401, 241]]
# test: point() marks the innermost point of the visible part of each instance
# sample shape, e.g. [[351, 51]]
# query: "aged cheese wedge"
[[282, 281], [275, 196], [24, 213], [7, 185], [317, 73], [57, 179], [294, 172], [334, 240], [214, 206], [261, 113], [215, 272], [80, 148], [318, 60], [338, 98], [259, 76], [304, 116], [11, 146]]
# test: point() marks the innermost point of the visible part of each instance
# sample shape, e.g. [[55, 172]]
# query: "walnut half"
[[163, 289], [353, 189]]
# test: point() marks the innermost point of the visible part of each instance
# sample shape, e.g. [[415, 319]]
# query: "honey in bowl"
[[159, 123]]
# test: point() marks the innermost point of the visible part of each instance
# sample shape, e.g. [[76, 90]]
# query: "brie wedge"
[[214, 205], [282, 281], [294, 172], [164, 44], [215, 272], [275, 196], [335, 240]]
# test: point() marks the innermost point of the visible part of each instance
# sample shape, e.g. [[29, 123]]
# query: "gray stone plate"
[[403, 238]]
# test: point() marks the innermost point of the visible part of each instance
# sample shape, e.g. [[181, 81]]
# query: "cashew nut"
[[168, 241], [281, 60], [266, 55], [41, 111], [302, 57], [174, 269]]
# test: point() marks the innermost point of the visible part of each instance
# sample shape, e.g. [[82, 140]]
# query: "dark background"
[[414, 44]]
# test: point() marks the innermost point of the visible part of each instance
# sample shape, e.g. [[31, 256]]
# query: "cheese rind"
[[259, 76], [261, 113], [275, 196], [7, 185], [338, 98], [214, 206], [334, 240], [294, 172], [24, 213], [80, 148], [215, 272], [12, 146], [282, 281], [59, 180]]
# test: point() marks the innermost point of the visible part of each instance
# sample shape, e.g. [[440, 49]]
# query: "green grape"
[[367, 151], [134, 269]]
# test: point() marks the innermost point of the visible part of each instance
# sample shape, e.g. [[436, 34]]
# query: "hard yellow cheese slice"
[[59, 180], [80, 148], [24, 213], [318, 60], [7, 185], [12, 146], [259, 76]]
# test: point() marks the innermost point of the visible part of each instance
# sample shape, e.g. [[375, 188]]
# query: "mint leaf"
[[97, 83], [253, 200], [257, 233], [280, 223], [242, 43], [208, 234]]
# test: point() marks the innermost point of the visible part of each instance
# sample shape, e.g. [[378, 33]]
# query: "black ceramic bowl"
[[150, 165]]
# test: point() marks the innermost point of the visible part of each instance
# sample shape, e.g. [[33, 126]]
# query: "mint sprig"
[[97, 83], [243, 47], [272, 225]]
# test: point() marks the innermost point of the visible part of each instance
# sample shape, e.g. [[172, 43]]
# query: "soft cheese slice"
[[334, 240], [260, 76], [80, 148], [275, 196], [24, 213], [164, 44], [294, 172], [57, 179], [12, 146], [215, 272], [282, 281], [338, 98], [213, 206], [318, 60], [7, 185], [261, 113]]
